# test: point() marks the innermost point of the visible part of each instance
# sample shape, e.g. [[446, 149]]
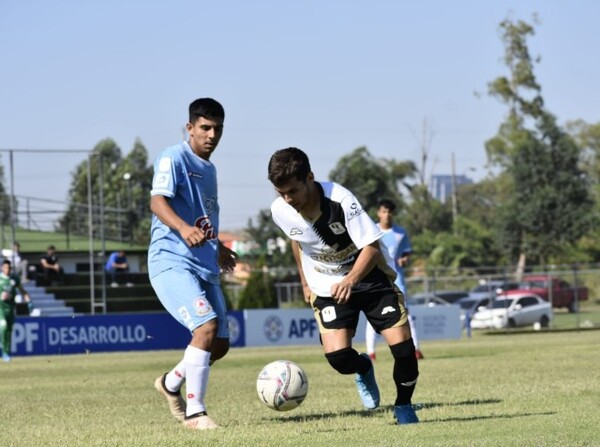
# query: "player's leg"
[[390, 317], [7, 321], [4, 344], [210, 342], [370, 340], [337, 325], [413, 331], [188, 299]]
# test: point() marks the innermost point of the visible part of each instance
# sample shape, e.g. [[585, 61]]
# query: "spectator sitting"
[[53, 272], [118, 267]]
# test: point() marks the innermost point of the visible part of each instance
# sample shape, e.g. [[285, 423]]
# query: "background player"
[[335, 244], [397, 243], [9, 286], [185, 257]]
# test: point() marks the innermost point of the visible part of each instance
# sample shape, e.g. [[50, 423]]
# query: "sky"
[[327, 76]]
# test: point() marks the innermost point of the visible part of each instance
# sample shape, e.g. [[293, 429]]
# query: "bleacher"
[[45, 304], [75, 292]]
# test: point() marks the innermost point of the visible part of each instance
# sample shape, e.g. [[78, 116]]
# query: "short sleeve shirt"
[[397, 243], [190, 185], [331, 244]]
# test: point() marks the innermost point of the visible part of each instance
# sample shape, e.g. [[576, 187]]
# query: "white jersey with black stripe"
[[331, 244]]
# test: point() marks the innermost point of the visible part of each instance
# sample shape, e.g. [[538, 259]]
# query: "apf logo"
[[273, 328], [234, 329]]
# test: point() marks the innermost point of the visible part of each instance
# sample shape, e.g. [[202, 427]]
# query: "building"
[[440, 186]]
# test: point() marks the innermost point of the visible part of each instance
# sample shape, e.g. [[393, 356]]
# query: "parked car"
[[517, 309], [469, 305], [426, 299], [491, 288], [449, 296], [553, 289]]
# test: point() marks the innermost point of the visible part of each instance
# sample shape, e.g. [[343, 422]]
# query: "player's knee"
[[344, 360], [406, 367]]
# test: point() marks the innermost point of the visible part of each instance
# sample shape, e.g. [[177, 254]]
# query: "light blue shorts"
[[191, 300]]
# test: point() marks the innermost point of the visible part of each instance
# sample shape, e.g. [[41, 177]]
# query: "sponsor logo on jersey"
[[295, 231], [201, 306], [195, 174], [387, 310], [206, 225], [161, 180], [355, 211], [327, 255], [337, 228]]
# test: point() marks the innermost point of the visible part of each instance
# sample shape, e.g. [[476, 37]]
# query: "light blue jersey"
[[186, 279], [190, 184], [397, 243]]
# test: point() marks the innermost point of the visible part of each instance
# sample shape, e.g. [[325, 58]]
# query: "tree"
[[260, 289], [5, 209], [121, 185], [369, 178], [550, 206], [264, 233]]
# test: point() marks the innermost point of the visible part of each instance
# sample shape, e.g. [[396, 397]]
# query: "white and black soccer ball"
[[282, 385]]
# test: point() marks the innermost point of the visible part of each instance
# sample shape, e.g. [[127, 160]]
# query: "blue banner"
[[104, 333]]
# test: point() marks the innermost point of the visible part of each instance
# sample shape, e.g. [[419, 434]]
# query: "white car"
[[425, 299], [521, 309]]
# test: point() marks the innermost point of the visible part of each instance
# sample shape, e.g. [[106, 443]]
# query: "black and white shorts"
[[382, 304]]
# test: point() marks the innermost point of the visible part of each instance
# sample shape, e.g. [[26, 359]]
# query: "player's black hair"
[[387, 203], [287, 164], [6, 261], [206, 108]]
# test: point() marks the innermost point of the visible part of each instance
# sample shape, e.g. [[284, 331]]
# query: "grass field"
[[537, 389]]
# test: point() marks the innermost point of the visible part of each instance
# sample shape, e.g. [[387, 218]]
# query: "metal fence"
[[587, 315]]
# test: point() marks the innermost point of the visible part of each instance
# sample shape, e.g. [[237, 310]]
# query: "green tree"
[[369, 178], [5, 209], [259, 292], [120, 186], [265, 233], [550, 205]]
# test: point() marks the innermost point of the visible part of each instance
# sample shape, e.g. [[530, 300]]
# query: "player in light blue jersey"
[[395, 239], [185, 258]]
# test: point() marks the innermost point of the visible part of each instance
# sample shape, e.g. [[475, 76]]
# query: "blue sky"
[[325, 76]]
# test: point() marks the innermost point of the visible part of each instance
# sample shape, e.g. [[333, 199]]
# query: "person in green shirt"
[[9, 285]]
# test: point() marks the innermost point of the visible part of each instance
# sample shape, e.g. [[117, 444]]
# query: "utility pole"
[[454, 199]]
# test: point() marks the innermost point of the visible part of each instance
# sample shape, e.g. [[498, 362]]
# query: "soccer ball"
[[282, 385]]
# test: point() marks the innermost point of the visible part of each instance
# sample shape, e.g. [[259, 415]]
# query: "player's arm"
[[403, 260], [298, 258], [367, 259], [193, 236]]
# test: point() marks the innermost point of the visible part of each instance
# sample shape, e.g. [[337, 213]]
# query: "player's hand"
[[341, 292], [227, 258], [193, 236], [307, 293]]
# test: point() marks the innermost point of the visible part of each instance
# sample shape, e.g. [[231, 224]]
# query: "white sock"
[[413, 332], [176, 377], [196, 372], [370, 338]]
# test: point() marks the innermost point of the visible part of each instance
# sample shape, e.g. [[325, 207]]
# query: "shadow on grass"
[[388, 409], [491, 416]]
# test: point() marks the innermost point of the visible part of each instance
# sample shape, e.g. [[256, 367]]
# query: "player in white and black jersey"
[[343, 272]]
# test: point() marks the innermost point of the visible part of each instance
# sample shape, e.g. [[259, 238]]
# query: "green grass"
[[539, 389]]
